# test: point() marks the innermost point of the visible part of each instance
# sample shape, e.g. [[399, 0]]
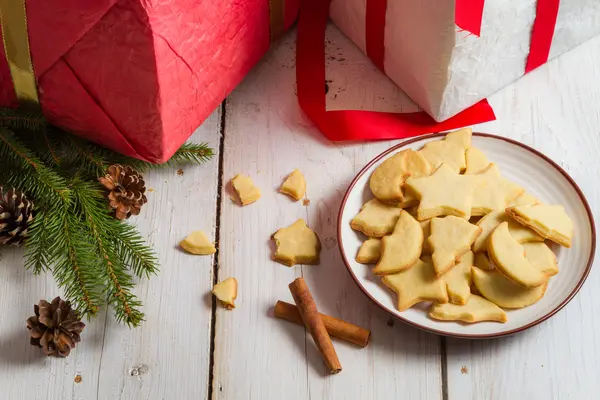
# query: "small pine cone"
[[125, 190], [15, 216], [55, 327]]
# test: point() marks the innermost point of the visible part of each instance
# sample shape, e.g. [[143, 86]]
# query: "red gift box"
[[138, 76]]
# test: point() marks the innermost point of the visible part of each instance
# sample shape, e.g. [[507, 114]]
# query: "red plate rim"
[[473, 336]]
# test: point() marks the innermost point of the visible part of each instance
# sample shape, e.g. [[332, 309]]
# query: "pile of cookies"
[[446, 227]]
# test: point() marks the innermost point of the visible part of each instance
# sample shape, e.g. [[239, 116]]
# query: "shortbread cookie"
[[503, 292], [450, 150], [482, 261], [443, 193], [489, 222], [387, 180], [541, 257], [450, 238], [550, 222], [297, 244], [409, 200], [415, 285], [402, 248], [376, 219], [458, 279], [477, 309], [492, 192], [226, 292], [197, 243], [476, 161], [524, 199], [245, 189], [509, 258], [294, 186], [369, 251]]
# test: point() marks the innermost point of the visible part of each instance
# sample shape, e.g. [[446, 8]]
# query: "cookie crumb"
[[77, 378], [150, 190], [180, 172], [306, 202], [390, 322], [464, 370]]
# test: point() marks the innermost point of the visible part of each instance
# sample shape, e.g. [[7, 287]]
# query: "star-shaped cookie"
[[450, 150], [492, 192], [416, 284], [476, 161], [297, 244], [450, 238], [444, 192]]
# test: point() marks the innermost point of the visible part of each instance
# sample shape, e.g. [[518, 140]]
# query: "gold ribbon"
[[276, 17], [13, 21]]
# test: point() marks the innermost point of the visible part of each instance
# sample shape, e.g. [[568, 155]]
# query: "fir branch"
[[134, 253], [42, 232], [92, 256], [23, 119], [75, 268], [103, 229], [191, 153], [32, 176]]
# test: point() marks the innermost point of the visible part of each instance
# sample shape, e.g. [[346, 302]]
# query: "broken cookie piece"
[[294, 186], [197, 243], [297, 244], [245, 189], [226, 292]]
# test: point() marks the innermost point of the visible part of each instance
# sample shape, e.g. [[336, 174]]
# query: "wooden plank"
[[170, 352], [554, 109], [168, 357], [256, 356]]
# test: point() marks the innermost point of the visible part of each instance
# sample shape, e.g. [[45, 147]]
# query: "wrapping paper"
[[449, 55], [138, 76], [357, 124]]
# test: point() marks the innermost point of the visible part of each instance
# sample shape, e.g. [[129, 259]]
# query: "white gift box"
[[446, 69]]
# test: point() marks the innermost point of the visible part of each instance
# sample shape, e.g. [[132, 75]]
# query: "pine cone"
[[125, 190], [15, 216], [55, 327]]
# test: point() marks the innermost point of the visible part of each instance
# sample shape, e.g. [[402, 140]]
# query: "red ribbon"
[[351, 124], [542, 33], [468, 15], [375, 31]]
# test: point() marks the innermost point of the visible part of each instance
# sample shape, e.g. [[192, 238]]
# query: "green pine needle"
[[92, 256], [23, 119]]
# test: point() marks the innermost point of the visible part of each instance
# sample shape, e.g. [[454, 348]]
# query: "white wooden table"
[[190, 349]]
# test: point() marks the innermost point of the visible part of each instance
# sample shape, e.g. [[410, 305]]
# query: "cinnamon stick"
[[335, 327], [313, 322]]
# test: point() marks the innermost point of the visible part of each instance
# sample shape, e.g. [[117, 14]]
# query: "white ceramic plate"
[[541, 177]]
